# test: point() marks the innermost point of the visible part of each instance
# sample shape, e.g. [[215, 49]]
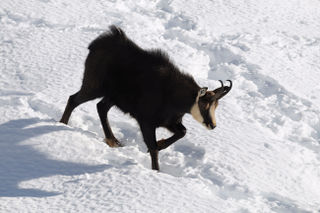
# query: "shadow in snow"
[[20, 162], [282, 204]]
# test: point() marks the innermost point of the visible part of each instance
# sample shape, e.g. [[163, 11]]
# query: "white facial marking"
[[195, 111], [212, 113], [196, 114]]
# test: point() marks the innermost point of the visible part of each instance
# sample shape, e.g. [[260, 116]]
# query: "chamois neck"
[[193, 102]]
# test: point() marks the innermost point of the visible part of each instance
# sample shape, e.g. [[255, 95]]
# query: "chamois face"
[[204, 108]]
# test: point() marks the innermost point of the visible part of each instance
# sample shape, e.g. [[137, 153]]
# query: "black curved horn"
[[230, 84], [223, 90], [221, 83], [219, 91]]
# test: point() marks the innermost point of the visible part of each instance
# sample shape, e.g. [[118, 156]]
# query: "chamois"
[[145, 84]]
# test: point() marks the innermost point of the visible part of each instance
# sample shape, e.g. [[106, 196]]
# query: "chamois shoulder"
[[169, 66], [160, 53], [161, 57]]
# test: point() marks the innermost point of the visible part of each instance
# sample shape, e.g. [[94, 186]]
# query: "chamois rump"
[[145, 84]]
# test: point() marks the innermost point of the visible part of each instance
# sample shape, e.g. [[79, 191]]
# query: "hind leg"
[[103, 107], [74, 101], [92, 85]]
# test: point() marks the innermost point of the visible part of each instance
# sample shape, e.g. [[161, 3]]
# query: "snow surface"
[[264, 155]]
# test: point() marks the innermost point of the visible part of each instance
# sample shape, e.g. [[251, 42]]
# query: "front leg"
[[179, 131], [149, 136]]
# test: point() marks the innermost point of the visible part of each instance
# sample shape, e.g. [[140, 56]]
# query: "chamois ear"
[[202, 91]]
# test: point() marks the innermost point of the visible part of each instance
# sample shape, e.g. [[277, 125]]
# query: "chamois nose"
[[211, 126]]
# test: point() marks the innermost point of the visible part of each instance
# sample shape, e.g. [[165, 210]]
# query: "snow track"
[[262, 157]]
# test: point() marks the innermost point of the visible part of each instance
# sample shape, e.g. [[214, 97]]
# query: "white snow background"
[[264, 155]]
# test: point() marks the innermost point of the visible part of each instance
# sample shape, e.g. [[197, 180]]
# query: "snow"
[[262, 157]]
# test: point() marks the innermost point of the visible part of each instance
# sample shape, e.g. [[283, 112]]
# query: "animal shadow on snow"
[[20, 162]]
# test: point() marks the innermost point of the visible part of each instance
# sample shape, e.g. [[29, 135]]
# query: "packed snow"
[[264, 155]]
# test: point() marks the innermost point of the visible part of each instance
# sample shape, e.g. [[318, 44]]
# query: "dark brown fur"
[[141, 82]]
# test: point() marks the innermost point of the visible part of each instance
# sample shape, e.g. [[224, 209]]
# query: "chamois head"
[[206, 103]]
